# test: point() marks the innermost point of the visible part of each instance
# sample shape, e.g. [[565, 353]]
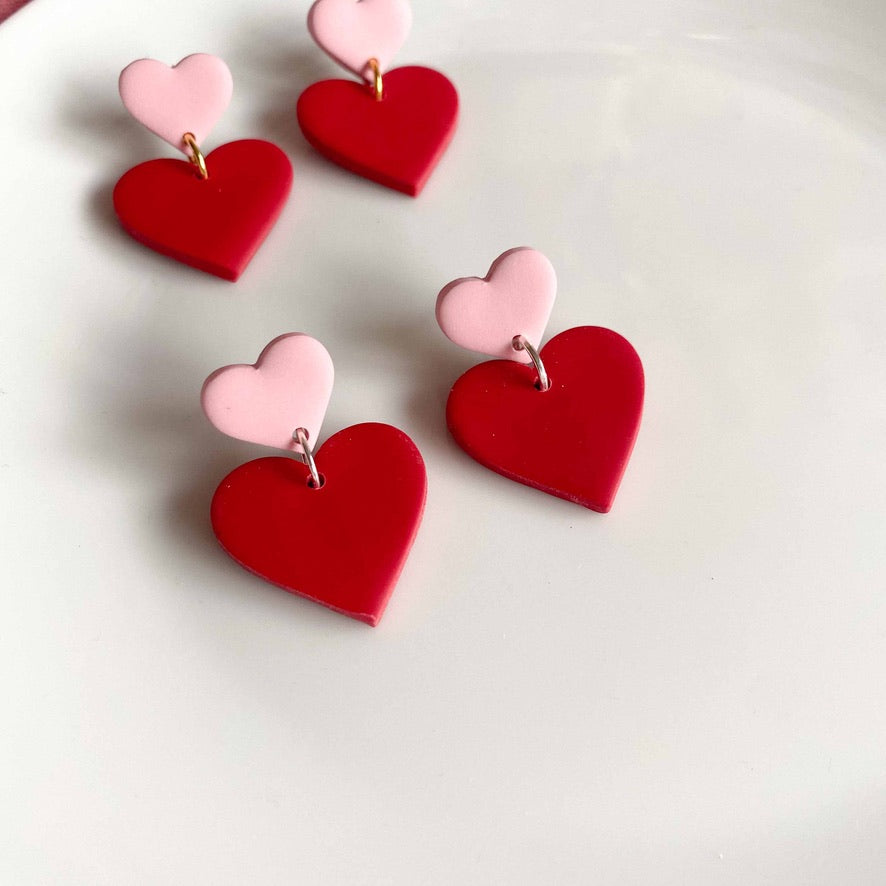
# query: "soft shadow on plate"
[[409, 346], [98, 126], [276, 61]]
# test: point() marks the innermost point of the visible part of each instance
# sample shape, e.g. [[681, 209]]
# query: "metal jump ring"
[[196, 156], [521, 343], [377, 87], [300, 435]]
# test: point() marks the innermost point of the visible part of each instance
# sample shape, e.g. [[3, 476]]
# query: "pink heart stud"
[[287, 388], [515, 298], [354, 31], [189, 97]]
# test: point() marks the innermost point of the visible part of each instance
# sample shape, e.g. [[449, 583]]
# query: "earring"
[[334, 524], [392, 126], [566, 421], [214, 211]]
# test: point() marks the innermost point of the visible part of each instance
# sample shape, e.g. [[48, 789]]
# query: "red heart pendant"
[[573, 440], [396, 141], [342, 545], [216, 224]]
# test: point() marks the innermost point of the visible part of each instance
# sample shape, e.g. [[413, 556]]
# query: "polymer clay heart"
[[515, 298], [288, 387], [342, 545], [397, 141], [354, 31], [573, 440], [216, 224], [170, 101]]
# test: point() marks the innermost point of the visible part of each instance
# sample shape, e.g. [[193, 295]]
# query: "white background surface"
[[688, 690]]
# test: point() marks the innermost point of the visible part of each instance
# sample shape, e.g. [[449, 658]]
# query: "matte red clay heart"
[[216, 224], [573, 440], [342, 545], [396, 141]]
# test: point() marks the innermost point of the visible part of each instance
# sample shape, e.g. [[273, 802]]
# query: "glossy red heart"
[[216, 224], [342, 545], [573, 440], [396, 141]]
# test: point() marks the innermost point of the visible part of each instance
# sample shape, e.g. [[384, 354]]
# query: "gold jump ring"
[[377, 87], [196, 156]]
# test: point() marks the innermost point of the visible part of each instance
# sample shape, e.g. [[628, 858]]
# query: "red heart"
[[216, 224], [342, 545], [573, 440], [396, 141]]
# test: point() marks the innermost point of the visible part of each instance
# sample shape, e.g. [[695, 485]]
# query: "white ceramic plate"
[[688, 690]]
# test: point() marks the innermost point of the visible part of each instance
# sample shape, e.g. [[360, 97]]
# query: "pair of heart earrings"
[[336, 523], [214, 211]]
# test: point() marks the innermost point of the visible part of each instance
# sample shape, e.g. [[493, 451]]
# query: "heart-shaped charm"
[[343, 544], [515, 298], [216, 224], [288, 387], [189, 97], [354, 31], [573, 440], [396, 141]]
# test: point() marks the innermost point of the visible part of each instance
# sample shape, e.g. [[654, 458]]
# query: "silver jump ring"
[[300, 435], [521, 343]]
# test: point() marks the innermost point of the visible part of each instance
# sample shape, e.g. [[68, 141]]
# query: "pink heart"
[[515, 298], [287, 388], [189, 97], [354, 31]]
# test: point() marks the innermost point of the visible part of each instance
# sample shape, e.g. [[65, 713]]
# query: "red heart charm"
[[573, 440], [342, 545], [216, 224], [396, 141]]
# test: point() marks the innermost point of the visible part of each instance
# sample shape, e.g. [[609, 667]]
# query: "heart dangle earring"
[[392, 126], [334, 524], [564, 421], [211, 212]]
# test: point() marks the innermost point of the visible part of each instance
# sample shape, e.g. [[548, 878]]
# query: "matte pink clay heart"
[[189, 97], [287, 388], [354, 31], [515, 298]]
